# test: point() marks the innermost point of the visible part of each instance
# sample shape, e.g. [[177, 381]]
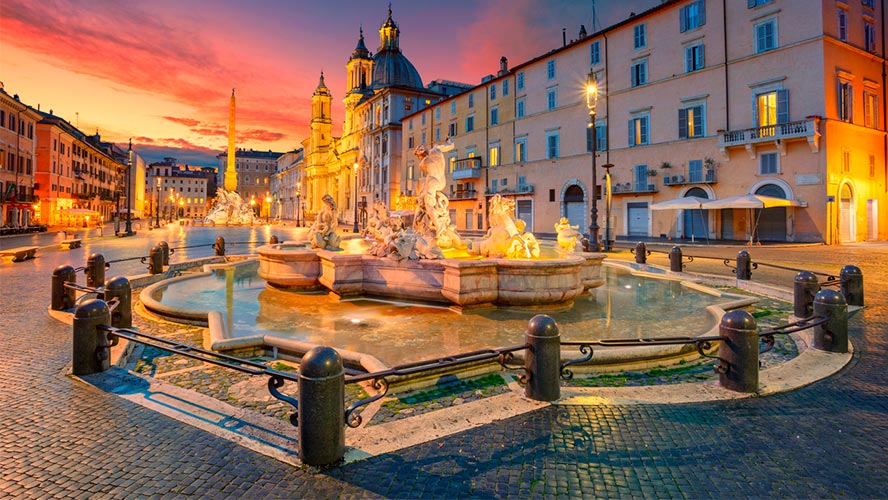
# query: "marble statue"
[[568, 236], [506, 236], [322, 234], [431, 219], [229, 209], [381, 229]]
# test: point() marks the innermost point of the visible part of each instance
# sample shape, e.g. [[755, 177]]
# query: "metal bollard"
[[155, 260], [851, 278], [739, 351], [321, 407], [90, 354], [219, 246], [543, 359], [62, 297], [675, 257], [805, 287], [95, 270], [273, 240], [166, 252], [640, 253], [119, 288], [744, 266], [831, 336]]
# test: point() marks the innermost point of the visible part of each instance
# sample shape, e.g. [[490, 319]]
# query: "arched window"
[[573, 193]]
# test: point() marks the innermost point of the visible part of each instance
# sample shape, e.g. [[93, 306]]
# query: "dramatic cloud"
[[188, 122]]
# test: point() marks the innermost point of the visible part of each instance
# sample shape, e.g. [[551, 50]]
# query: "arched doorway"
[[771, 221], [575, 206], [847, 228], [695, 223]]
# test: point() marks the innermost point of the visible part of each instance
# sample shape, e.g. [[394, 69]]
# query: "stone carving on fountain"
[[506, 236], [568, 236], [322, 234], [229, 209], [431, 219]]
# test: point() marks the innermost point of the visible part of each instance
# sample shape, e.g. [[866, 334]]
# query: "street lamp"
[[591, 102], [355, 227], [158, 180], [298, 194], [252, 208], [608, 237], [181, 209], [268, 208]]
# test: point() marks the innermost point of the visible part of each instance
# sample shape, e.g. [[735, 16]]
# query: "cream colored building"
[[695, 101], [254, 170], [286, 186]]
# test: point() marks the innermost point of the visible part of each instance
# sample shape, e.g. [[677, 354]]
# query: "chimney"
[[564, 37], [504, 66], [583, 33]]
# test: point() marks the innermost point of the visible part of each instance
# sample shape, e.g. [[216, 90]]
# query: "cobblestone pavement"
[[61, 437]]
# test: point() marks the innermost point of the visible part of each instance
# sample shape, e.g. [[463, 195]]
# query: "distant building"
[[19, 202], [177, 191], [697, 98], [286, 186]]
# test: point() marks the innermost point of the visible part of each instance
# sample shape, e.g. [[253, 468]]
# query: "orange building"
[[17, 147]]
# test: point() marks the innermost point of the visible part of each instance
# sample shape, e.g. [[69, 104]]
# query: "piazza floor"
[[63, 438]]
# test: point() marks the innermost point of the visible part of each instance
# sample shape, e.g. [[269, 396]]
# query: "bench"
[[19, 254], [71, 243]]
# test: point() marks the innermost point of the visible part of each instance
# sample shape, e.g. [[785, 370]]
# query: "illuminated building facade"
[[697, 98], [18, 200], [183, 190], [254, 170]]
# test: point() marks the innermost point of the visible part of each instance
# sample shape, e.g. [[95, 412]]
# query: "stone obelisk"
[[230, 173]]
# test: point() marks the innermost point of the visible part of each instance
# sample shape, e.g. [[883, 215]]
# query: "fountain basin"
[[461, 283]]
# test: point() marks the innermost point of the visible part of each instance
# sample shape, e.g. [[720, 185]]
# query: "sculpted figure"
[[322, 233], [506, 236], [431, 220], [568, 236]]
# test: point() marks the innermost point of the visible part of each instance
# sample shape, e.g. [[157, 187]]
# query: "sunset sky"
[[162, 71]]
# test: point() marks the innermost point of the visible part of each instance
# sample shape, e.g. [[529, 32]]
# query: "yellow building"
[[18, 144], [694, 101]]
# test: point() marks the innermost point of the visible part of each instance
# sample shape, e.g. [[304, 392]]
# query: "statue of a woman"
[[322, 233]]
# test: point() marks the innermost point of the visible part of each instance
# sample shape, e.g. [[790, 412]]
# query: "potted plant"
[[665, 165]]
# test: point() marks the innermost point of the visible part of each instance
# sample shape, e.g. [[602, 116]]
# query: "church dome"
[[390, 67]]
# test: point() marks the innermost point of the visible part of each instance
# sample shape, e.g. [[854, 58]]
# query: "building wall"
[[17, 161]]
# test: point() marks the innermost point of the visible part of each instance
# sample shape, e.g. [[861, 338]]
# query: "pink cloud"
[[188, 122]]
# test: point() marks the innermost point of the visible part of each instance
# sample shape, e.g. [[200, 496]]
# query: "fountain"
[[429, 262], [230, 210]]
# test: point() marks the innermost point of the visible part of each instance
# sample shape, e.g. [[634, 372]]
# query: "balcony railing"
[[467, 168], [632, 188], [778, 134], [705, 176], [464, 194], [510, 191]]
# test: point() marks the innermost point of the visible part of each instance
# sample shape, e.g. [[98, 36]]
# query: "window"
[[521, 150], [867, 3], [638, 75], [451, 130], [423, 119], [639, 36], [492, 91], [452, 107], [551, 145], [452, 163], [470, 123], [690, 122], [423, 137], [768, 164], [755, 3], [550, 69], [494, 115], [765, 36], [638, 130], [519, 108], [410, 124], [870, 110], [843, 25], [551, 98], [692, 16], [493, 155], [493, 186], [640, 178], [594, 53], [519, 80], [869, 36], [470, 217], [771, 108], [694, 58], [695, 171], [846, 161], [599, 133], [438, 113], [505, 87], [845, 97], [437, 133], [471, 100], [872, 165]]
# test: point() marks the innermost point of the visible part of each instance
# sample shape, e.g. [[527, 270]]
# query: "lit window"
[[870, 110], [521, 150], [493, 155], [638, 130], [690, 122]]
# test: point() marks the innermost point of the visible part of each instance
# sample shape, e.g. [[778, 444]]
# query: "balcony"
[[706, 176], [464, 194], [632, 188], [777, 135], [467, 168], [505, 191]]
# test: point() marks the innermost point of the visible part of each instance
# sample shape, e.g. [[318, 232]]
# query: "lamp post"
[[298, 194], [608, 237], [591, 102], [268, 209], [252, 208], [181, 207], [157, 180], [355, 227]]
